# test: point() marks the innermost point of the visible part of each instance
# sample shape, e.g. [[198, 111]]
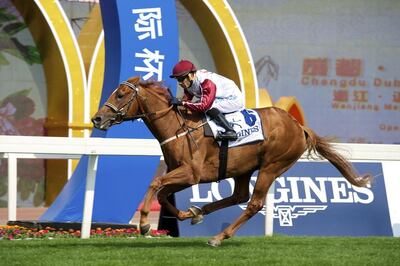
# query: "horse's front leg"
[[181, 176], [163, 200], [144, 212]]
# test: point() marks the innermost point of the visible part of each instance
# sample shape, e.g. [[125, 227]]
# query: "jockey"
[[209, 93]]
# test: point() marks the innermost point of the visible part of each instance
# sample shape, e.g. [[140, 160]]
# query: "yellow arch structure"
[[65, 78], [227, 44], [91, 42], [62, 63], [74, 69], [292, 106], [216, 19], [232, 55], [265, 98]]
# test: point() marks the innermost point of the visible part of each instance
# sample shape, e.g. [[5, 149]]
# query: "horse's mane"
[[156, 86], [159, 88]]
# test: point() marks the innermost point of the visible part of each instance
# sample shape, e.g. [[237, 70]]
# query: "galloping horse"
[[192, 158]]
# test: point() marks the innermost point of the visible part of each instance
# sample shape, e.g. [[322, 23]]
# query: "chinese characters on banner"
[[149, 25]]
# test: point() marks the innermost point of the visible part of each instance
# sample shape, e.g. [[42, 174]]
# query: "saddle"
[[248, 127]]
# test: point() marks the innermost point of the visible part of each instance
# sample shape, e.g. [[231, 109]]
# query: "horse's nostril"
[[96, 119]]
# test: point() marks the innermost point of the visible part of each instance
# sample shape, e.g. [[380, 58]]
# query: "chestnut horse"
[[192, 158]]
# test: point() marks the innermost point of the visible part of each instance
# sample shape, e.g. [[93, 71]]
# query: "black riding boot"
[[220, 119]]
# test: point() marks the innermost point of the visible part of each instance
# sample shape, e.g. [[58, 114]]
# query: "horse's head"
[[132, 99], [121, 104]]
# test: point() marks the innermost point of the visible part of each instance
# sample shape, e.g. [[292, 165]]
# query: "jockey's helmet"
[[182, 68]]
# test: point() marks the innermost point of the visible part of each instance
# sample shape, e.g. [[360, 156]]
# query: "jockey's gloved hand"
[[175, 101]]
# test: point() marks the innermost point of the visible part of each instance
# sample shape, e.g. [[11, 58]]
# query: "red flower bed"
[[18, 232]]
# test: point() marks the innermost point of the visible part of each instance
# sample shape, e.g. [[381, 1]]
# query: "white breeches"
[[228, 104]]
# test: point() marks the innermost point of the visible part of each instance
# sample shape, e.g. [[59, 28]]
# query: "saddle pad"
[[246, 123]]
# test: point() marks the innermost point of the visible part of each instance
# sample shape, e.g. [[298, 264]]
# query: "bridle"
[[121, 111]]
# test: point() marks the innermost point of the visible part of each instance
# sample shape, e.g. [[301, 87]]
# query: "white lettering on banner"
[[340, 191], [196, 195], [148, 22], [315, 191], [150, 57], [295, 191]]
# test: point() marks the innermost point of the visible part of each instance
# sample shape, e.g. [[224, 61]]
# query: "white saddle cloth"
[[246, 123]]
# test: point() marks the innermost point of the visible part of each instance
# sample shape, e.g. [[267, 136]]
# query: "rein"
[[182, 134], [146, 115], [121, 112]]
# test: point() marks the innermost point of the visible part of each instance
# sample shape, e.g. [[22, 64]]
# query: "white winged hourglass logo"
[[286, 213]]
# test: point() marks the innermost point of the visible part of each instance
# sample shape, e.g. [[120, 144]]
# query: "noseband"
[[121, 112]]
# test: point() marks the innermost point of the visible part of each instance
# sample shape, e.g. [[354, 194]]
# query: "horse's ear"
[[134, 80]]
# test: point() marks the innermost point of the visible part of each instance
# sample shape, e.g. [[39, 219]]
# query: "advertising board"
[[312, 198]]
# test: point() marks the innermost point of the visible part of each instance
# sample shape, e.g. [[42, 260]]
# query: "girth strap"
[[223, 159]]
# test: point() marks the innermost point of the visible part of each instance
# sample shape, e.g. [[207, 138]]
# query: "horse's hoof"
[[145, 229], [197, 216], [214, 243], [195, 210], [197, 219]]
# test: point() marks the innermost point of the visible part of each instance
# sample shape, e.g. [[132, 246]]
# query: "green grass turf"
[[277, 250]]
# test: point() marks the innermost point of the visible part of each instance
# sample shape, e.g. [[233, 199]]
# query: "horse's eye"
[[120, 95]]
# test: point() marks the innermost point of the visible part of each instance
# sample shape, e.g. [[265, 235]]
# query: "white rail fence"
[[27, 147]]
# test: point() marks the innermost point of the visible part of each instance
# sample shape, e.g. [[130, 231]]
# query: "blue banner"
[[310, 199], [141, 39]]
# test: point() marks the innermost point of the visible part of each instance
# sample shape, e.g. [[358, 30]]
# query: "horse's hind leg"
[[265, 178], [239, 195]]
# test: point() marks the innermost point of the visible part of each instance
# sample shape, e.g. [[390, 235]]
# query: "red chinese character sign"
[[357, 93], [341, 64]]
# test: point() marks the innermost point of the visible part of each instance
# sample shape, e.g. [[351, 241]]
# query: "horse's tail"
[[317, 144]]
